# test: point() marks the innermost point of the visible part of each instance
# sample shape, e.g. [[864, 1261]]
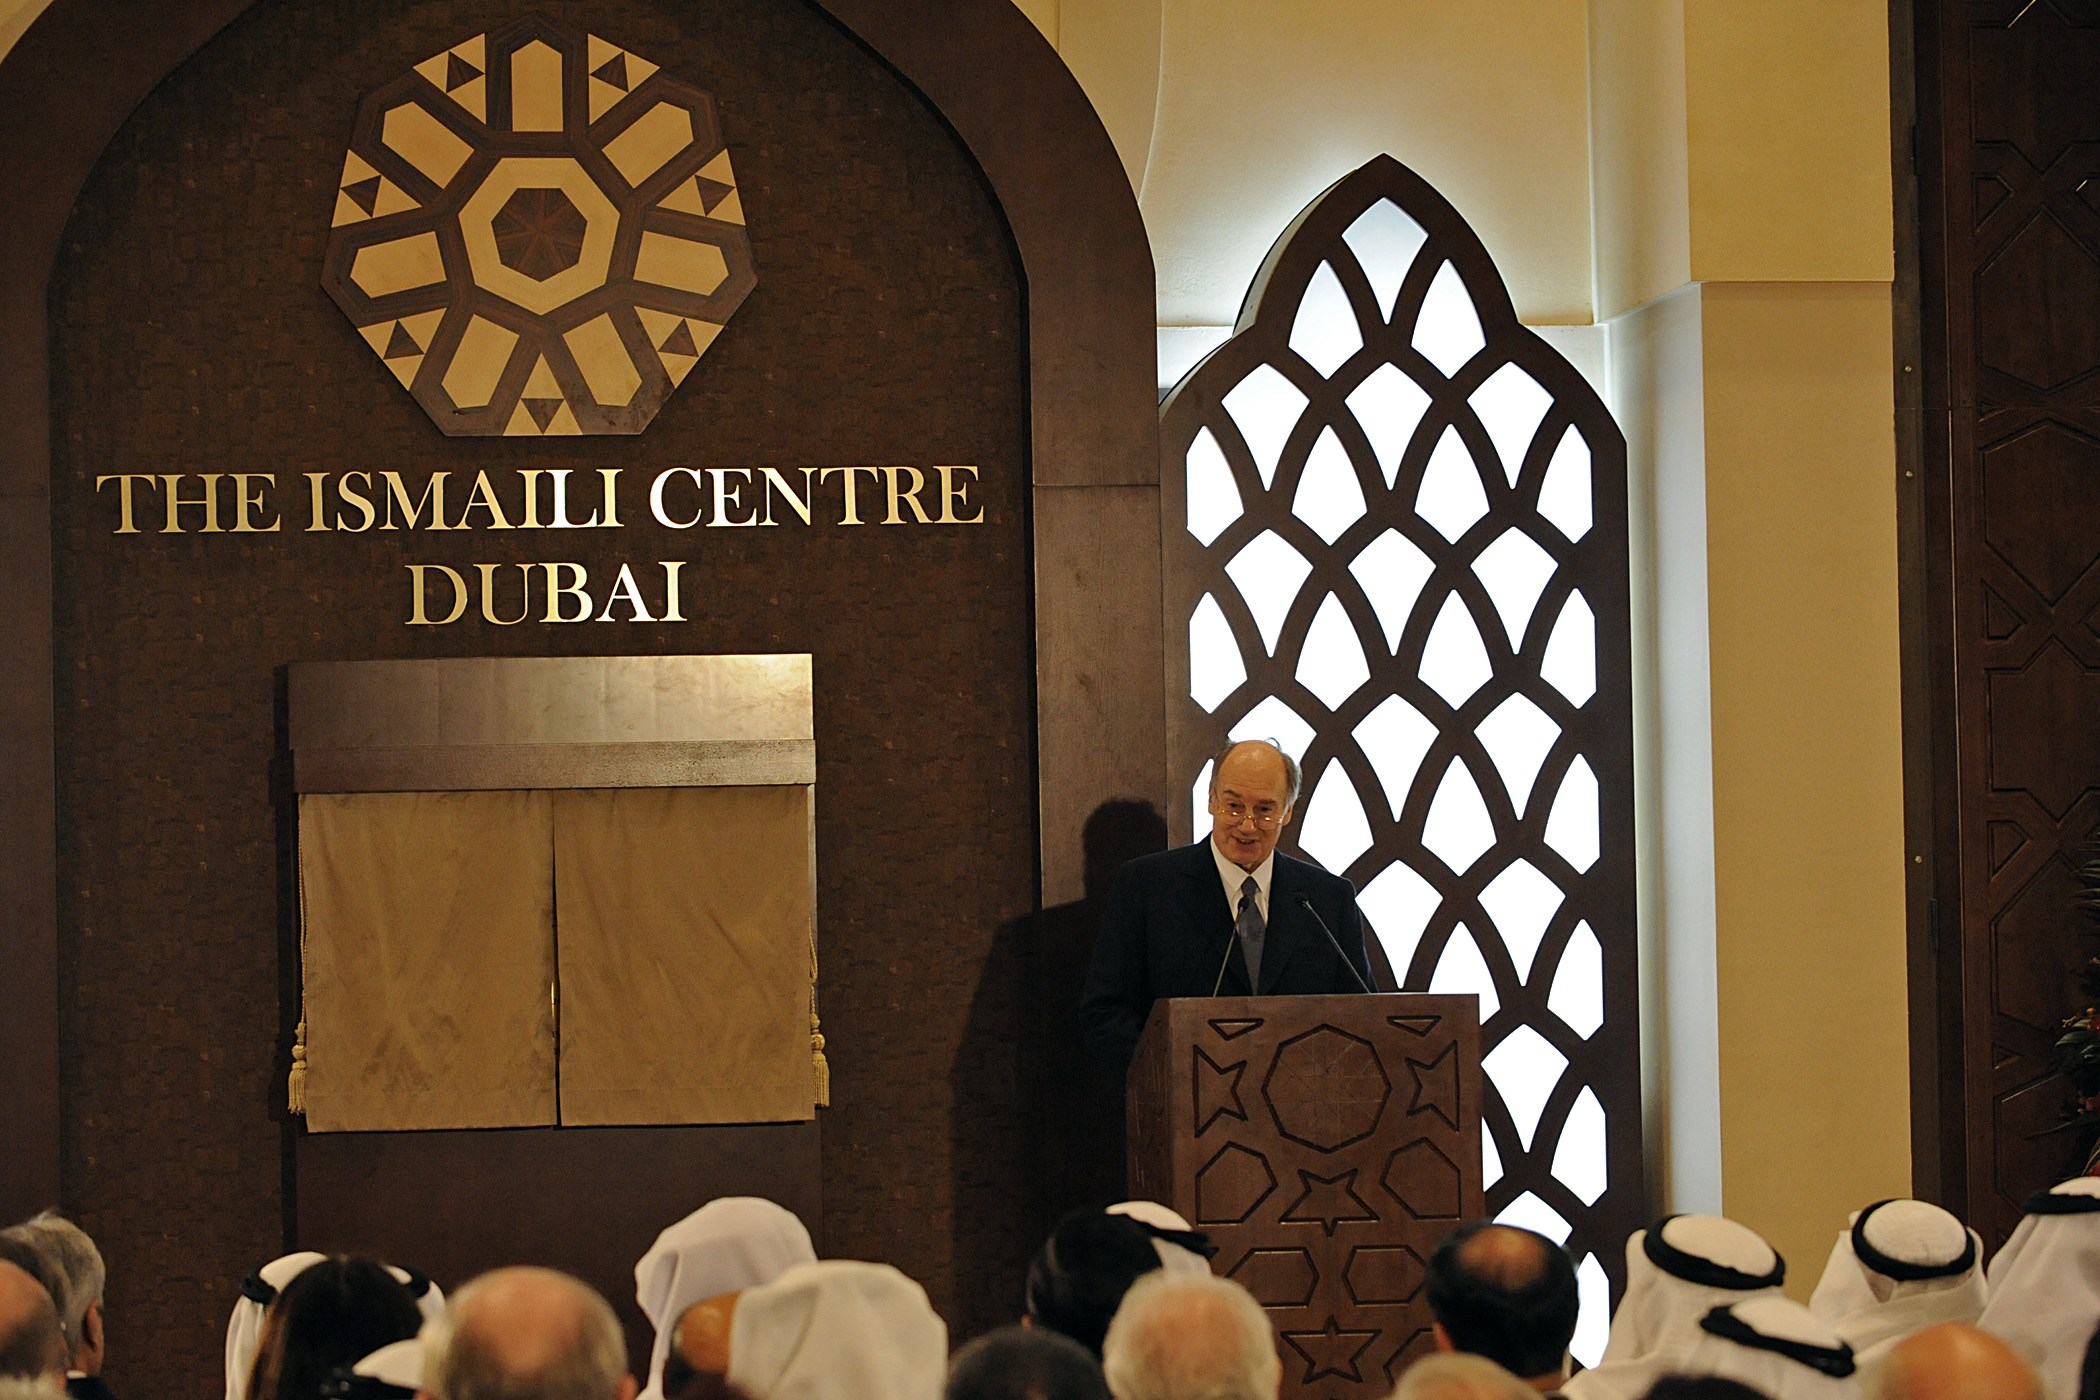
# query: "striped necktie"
[[1251, 930]]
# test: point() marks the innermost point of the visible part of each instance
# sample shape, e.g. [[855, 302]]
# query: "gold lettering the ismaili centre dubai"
[[541, 498]]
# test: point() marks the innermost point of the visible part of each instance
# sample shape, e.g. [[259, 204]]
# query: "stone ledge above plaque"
[[547, 722]]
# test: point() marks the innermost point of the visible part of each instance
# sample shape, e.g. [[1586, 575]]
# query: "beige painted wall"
[[1742, 171], [1807, 780]]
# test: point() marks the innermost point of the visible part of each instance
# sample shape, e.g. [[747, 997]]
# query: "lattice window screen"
[[1396, 543]]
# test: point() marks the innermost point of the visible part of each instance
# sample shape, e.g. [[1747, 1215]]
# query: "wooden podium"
[[1326, 1144]]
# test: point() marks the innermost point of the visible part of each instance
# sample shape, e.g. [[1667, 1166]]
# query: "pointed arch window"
[[1396, 543]]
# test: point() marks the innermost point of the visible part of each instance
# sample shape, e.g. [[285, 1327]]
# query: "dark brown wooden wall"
[[2009, 193], [914, 162]]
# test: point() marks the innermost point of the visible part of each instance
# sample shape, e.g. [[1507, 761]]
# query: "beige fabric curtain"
[[684, 924], [428, 944]]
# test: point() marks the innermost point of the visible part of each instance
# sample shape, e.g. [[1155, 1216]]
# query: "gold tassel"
[[816, 1050], [295, 1082]]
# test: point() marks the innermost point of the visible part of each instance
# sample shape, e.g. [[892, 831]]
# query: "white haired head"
[[1182, 1337]]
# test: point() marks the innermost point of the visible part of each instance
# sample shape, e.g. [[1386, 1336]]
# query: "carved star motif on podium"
[[1217, 1091], [1330, 1351], [1329, 1200]]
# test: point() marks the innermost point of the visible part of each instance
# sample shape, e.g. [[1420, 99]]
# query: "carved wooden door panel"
[[2009, 148]]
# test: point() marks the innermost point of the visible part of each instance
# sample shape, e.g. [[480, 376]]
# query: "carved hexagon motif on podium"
[[539, 233]]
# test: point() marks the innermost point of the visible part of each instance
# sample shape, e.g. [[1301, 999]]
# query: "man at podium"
[[1227, 916]]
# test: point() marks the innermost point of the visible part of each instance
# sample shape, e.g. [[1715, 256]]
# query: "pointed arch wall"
[[1396, 541], [84, 65]]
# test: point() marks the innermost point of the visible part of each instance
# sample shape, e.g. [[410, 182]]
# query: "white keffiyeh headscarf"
[[1900, 1267], [1677, 1271], [1775, 1346], [2045, 1284], [260, 1289], [1175, 1257], [726, 1246], [838, 1330]]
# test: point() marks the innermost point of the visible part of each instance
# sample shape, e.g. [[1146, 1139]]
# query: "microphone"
[[1232, 937], [1332, 942]]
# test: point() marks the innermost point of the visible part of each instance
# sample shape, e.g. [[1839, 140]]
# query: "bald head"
[[527, 1334], [1954, 1361], [31, 1342], [1507, 1294], [1453, 1377]]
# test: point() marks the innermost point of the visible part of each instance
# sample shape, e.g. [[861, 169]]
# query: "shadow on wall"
[[1059, 1144]]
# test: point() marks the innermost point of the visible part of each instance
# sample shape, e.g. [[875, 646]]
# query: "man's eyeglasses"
[[1237, 812]]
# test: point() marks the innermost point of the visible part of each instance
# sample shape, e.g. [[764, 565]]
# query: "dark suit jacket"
[[1168, 925]]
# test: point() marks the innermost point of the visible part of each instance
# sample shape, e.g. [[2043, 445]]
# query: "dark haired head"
[[1025, 1363], [2089, 1370], [1506, 1294], [333, 1314], [1702, 1388], [1078, 1278]]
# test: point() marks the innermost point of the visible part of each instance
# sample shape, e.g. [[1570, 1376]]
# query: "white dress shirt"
[[1234, 878]]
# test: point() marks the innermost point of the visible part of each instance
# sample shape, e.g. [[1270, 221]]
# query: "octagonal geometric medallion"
[[539, 233], [1326, 1089]]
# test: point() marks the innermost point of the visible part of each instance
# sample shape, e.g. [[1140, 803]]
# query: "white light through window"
[[1391, 571], [1328, 497], [1570, 666], [1331, 664], [1214, 498], [1325, 333], [1265, 407], [1525, 1067], [1458, 830], [1335, 830], [1462, 970], [1399, 904], [1385, 241], [1268, 573], [1388, 405], [1448, 331], [1564, 496], [1509, 404], [1451, 498], [1215, 667], [1272, 719]]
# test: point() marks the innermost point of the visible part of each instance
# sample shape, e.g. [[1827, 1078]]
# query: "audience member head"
[[1507, 1294], [73, 1256], [526, 1334], [1078, 1278], [1954, 1361], [1773, 1345], [244, 1328], [1182, 1248], [697, 1367], [1703, 1388], [32, 1344], [727, 1245], [1677, 1271], [2044, 1289], [333, 1313], [837, 1330], [1898, 1267], [34, 1262], [1460, 1376], [1025, 1363], [1178, 1338], [394, 1372], [2089, 1369]]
